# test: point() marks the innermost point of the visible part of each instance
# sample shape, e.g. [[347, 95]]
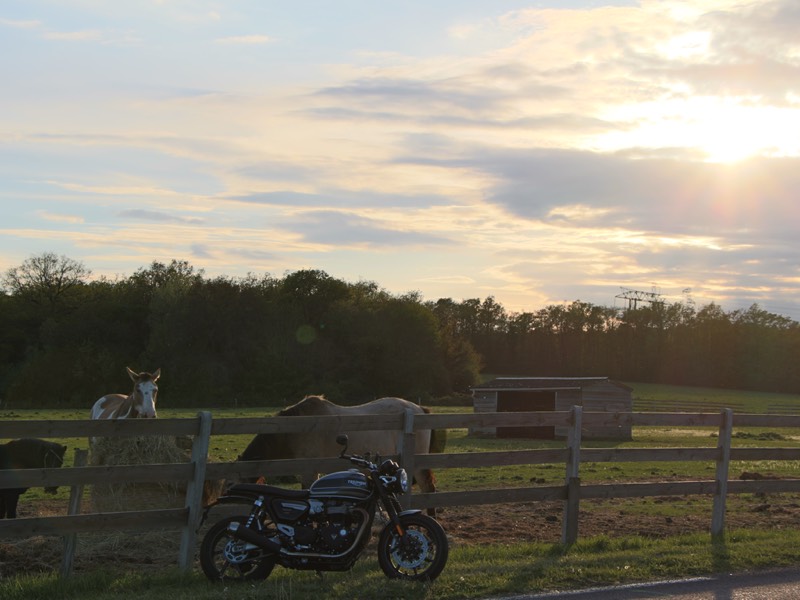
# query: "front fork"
[[395, 512]]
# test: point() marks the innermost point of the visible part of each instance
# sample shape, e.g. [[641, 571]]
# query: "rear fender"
[[233, 499], [236, 499]]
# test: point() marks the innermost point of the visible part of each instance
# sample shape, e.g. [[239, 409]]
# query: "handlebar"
[[357, 460], [361, 461]]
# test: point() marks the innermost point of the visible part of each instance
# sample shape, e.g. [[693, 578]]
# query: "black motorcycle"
[[326, 527]]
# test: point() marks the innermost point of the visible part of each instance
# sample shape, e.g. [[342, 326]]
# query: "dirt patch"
[[465, 525], [542, 521]]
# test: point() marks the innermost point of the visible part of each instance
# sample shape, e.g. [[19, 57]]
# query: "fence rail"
[[572, 455]]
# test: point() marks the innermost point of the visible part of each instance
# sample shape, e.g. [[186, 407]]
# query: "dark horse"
[[272, 446], [26, 453]]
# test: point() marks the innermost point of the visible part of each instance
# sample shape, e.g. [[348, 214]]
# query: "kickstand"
[[319, 575]]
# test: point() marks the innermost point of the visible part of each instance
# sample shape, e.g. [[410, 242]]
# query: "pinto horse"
[[26, 453], [140, 403], [271, 446]]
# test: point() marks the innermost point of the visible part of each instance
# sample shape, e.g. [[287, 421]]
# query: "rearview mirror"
[[342, 440]]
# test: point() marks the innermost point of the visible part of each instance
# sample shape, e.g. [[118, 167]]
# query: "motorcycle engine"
[[336, 537], [327, 529]]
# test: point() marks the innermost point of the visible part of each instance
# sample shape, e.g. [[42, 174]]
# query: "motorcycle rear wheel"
[[226, 558], [418, 555]]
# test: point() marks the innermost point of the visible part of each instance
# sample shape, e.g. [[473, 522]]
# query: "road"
[[773, 585]]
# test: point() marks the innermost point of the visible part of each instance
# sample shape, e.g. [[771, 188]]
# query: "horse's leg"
[[12, 498], [427, 483]]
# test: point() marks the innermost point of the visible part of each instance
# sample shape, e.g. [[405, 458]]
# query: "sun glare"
[[720, 129], [728, 133]]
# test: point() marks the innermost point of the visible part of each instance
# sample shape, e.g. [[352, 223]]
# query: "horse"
[[272, 446], [26, 453], [139, 404]]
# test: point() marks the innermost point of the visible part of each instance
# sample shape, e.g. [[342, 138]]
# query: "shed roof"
[[543, 383]]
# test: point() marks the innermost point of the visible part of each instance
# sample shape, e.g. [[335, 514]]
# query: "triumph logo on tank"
[[357, 482]]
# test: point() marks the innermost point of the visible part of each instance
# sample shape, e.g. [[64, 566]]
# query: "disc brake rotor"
[[411, 549]]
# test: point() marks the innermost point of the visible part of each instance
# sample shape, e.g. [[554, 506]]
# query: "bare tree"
[[44, 279]]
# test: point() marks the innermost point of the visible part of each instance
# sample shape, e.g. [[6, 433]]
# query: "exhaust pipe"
[[253, 537]]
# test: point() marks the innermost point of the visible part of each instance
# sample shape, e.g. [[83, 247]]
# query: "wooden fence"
[[572, 455]]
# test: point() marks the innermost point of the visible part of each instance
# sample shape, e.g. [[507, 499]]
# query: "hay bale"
[[114, 497]]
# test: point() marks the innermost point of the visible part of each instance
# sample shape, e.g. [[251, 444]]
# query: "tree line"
[[65, 339]]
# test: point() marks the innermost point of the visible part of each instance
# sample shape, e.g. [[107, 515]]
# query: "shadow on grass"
[[720, 554]]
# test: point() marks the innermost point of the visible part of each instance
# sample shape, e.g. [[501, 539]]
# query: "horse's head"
[[145, 392], [53, 458], [266, 446]]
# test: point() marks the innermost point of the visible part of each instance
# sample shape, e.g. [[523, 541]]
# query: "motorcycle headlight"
[[402, 480]]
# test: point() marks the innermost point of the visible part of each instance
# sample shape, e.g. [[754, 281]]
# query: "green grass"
[[472, 572], [750, 402]]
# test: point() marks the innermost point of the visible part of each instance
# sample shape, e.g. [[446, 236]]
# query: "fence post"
[[75, 496], [569, 524], [194, 490], [723, 467], [408, 447]]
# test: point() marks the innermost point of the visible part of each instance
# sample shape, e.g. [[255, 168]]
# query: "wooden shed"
[[521, 394]]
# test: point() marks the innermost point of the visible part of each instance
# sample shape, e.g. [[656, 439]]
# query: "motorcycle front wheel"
[[420, 554], [226, 558]]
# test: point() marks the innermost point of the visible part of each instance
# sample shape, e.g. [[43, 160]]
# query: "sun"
[[730, 132], [715, 129]]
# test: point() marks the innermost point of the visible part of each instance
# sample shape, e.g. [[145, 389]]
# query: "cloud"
[[343, 199], [48, 216], [201, 251], [228, 251], [139, 214], [668, 196], [74, 36], [351, 231], [245, 40], [564, 122], [455, 99], [28, 24], [449, 279]]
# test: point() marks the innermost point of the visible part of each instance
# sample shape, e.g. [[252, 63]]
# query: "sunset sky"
[[538, 152]]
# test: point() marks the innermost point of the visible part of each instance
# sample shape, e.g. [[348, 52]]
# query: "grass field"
[[747, 402], [478, 571]]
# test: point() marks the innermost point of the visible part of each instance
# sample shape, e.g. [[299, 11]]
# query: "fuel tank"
[[352, 484]]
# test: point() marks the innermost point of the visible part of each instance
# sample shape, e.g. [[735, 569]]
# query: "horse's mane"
[[308, 405]]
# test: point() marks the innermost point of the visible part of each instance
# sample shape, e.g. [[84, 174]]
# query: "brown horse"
[[140, 403], [26, 453], [273, 446]]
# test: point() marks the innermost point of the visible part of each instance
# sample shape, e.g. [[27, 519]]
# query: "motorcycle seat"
[[268, 490]]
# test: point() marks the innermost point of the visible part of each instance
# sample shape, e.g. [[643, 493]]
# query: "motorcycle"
[[325, 527]]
